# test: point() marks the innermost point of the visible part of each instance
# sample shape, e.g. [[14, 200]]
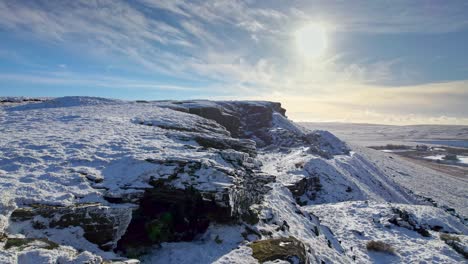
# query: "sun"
[[311, 40]]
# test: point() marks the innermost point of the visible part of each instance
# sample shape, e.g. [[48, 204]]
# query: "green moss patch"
[[168, 214]]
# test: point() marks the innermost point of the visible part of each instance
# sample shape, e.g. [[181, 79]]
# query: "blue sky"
[[398, 62]]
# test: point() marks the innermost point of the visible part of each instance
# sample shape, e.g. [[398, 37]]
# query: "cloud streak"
[[244, 47]]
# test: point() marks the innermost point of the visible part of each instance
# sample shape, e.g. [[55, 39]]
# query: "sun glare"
[[311, 40]]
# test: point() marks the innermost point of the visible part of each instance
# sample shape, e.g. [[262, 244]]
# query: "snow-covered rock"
[[87, 179]]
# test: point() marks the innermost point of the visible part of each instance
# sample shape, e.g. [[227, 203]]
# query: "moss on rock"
[[288, 249], [168, 214]]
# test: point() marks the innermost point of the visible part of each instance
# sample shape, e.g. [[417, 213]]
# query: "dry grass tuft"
[[380, 246]]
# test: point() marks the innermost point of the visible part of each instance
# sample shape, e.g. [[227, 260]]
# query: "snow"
[[380, 135], [461, 159], [435, 157], [356, 223], [74, 150], [394, 150], [279, 208], [54, 146], [445, 190], [68, 101], [53, 152], [34, 255], [366, 180], [211, 247]]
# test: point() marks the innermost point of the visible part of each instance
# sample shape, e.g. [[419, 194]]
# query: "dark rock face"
[[230, 122], [242, 145], [308, 186], [102, 225], [248, 192], [242, 119], [167, 214], [258, 121], [255, 119], [298, 188], [404, 219], [288, 249]]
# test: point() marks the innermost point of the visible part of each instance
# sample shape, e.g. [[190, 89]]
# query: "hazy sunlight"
[[311, 40]]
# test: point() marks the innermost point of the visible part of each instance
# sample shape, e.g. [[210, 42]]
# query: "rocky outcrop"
[[256, 119], [160, 175], [243, 119], [308, 186], [326, 144], [168, 214], [455, 243], [404, 219], [263, 122], [242, 145], [183, 202], [231, 122], [102, 225]]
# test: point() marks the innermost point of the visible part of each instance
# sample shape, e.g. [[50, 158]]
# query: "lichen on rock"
[[286, 248]]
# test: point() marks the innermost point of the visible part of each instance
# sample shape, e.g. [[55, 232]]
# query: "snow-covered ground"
[[379, 135], [460, 159], [357, 223], [104, 155]]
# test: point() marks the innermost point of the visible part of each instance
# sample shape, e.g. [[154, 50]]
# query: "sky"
[[390, 62]]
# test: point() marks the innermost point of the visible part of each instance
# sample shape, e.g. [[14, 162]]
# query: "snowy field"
[[378, 135], [461, 159]]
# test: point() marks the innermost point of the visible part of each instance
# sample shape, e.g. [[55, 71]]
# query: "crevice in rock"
[[168, 214]]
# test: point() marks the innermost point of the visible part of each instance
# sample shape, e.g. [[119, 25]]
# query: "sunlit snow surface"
[[46, 149], [53, 144], [356, 223]]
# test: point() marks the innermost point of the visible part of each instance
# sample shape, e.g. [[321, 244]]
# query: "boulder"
[[288, 249], [102, 225]]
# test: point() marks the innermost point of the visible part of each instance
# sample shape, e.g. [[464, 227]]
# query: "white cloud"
[[396, 16], [246, 49]]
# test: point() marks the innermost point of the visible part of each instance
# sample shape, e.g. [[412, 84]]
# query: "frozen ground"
[[357, 223], [331, 196]]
